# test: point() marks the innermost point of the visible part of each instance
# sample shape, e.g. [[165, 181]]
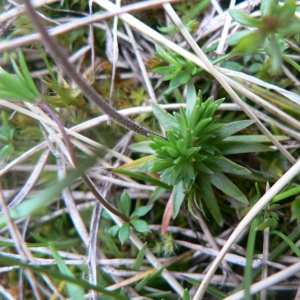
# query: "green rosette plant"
[[192, 157]]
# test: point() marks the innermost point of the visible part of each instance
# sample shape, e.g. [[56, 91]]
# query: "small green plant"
[[138, 224], [179, 70], [167, 246], [192, 159], [276, 22]]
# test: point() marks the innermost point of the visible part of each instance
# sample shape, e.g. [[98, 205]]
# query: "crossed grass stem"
[[84, 177]]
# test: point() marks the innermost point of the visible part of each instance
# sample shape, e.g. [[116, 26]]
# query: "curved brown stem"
[[85, 178], [57, 52]]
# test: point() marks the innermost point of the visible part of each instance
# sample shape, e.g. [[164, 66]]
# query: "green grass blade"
[[139, 259], [288, 241], [27, 76], [76, 292], [292, 192]]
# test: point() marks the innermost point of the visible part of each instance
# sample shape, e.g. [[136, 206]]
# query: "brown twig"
[[57, 52]]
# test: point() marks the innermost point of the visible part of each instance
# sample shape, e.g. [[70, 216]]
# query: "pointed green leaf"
[[141, 211], [184, 76], [221, 182], [288, 241], [231, 128], [142, 283], [142, 147], [142, 176], [222, 164], [111, 245], [140, 225], [269, 8], [253, 138], [178, 196], [186, 295], [46, 196], [295, 208], [113, 230], [126, 203], [244, 18], [164, 69], [191, 97], [139, 259], [272, 222], [27, 75], [157, 193], [234, 39], [166, 119], [248, 44], [209, 198], [173, 75], [124, 233]]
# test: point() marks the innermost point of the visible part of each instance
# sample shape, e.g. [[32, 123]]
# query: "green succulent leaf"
[[221, 182]]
